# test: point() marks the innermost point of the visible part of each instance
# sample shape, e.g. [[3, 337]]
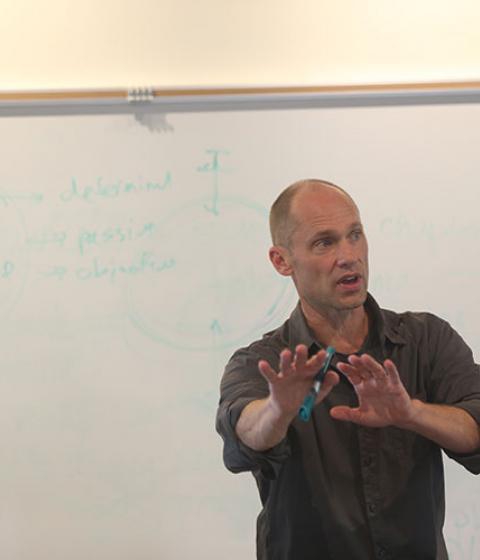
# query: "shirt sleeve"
[[455, 380], [241, 384]]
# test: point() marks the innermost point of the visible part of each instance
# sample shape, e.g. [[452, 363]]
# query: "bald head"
[[283, 221]]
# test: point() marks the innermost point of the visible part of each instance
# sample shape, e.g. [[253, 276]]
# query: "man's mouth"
[[349, 280]]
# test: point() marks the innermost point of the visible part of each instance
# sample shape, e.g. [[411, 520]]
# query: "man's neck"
[[345, 330]]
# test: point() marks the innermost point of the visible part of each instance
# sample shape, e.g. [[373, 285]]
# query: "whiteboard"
[[133, 262]]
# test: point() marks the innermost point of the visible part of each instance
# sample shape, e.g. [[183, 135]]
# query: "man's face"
[[328, 253]]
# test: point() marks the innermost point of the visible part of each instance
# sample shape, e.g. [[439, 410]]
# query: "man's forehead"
[[321, 204]]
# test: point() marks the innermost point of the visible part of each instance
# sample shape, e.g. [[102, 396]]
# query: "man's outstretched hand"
[[294, 378], [382, 398]]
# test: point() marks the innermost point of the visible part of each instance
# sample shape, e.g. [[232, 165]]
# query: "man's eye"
[[322, 242], [356, 234]]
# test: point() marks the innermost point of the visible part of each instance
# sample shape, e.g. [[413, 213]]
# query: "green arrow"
[[215, 327], [36, 198]]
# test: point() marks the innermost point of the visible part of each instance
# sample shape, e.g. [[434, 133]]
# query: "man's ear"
[[280, 258]]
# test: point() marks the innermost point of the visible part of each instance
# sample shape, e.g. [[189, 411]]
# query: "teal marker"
[[309, 402]]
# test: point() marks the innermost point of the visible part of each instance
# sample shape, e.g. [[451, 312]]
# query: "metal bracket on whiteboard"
[[140, 95]]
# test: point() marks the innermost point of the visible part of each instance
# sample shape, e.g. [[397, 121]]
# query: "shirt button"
[[382, 553], [367, 461]]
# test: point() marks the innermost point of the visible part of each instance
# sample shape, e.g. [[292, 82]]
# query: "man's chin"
[[335, 304], [352, 302]]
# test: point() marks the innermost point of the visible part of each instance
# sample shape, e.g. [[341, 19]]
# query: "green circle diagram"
[[220, 287]]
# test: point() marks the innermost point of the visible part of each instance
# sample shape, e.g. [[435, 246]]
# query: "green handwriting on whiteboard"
[[35, 198], [120, 234], [6, 269], [101, 270], [45, 238], [86, 238], [102, 189], [213, 167]]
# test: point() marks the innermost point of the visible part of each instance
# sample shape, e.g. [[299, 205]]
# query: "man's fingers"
[[382, 373], [392, 371], [359, 368], [301, 357], [286, 361], [266, 370], [376, 370], [351, 372], [330, 380], [367, 368], [316, 362], [345, 413], [299, 364], [355, 360]]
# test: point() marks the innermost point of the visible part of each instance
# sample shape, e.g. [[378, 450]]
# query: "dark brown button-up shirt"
[[336, 490]]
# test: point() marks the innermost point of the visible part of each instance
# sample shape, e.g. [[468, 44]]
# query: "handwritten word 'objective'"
[[98, 270], [96, 238], [112, 190], [6, 269]]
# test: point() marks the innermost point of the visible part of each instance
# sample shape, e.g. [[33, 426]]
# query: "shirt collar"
[[383, 325]]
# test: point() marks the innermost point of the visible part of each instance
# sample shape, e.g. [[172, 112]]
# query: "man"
[[363, 478]]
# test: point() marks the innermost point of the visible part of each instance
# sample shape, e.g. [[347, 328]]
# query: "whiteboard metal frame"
[[145, 100]]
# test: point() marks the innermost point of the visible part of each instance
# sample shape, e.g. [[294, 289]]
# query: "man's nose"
[[346, 254]]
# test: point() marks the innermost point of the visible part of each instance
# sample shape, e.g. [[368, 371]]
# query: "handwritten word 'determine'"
[[102, 189]]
